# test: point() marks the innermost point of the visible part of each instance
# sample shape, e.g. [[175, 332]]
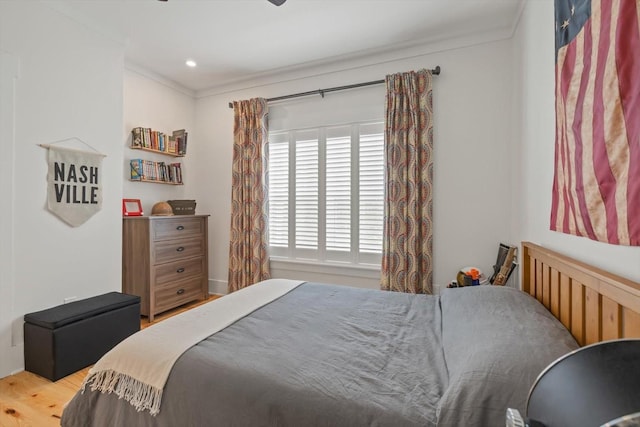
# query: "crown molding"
[[364, 59], [145, 72]]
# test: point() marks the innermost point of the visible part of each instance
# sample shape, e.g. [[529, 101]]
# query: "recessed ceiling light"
[[191, 63]]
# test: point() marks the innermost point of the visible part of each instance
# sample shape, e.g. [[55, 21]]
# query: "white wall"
[[534, 42], [472, 137], [151, 102], [9, 71], [69, 85]]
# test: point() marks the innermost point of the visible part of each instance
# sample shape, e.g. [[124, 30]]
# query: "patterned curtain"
[[408, 235], [248, 260]]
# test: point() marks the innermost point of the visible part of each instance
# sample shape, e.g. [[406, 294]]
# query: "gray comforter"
[[326, 355]]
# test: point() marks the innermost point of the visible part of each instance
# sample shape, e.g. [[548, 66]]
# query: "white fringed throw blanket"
[[137, 369]]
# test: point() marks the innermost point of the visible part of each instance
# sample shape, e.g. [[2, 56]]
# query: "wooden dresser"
[[164, 260]]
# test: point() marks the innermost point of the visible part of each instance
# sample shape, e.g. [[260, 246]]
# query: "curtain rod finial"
[[436, 70]]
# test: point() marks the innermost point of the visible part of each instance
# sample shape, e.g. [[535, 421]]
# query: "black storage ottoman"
[[64, 339]]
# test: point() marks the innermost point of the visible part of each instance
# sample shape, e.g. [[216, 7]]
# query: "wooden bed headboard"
[[592, 304]]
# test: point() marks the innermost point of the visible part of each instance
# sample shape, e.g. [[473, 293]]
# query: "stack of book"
[[505, 264], [147, 170], [175, 144]]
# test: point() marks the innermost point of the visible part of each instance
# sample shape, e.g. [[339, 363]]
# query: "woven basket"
[[183, 207]]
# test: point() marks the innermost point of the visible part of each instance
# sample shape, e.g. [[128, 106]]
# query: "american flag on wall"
[[596, 187]]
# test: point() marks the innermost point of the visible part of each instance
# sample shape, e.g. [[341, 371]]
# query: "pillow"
[[496, 341]]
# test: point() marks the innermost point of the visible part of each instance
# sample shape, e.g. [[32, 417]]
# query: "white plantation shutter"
[[306, 190], [326, 193], [278, 181], [338, 189], [371, 187]]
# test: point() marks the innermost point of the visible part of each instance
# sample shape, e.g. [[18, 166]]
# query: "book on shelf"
[[176, 171], [181, 139], [148, 170], [159, 171], [136, 169], [155, 170], [154, 140], [146, 137], [136, 138], [174, 144]]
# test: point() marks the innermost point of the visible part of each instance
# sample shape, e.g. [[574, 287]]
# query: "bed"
[[331, 355], [592, 304]]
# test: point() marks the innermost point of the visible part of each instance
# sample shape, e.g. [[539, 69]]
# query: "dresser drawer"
[[175, 228], [165, 260], [179, 270], [175, 294], [173, 250]]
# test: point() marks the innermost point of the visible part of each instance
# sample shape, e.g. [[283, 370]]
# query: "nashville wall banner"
[[74, 190]]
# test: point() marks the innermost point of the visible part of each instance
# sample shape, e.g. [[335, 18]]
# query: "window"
[[326, 188]]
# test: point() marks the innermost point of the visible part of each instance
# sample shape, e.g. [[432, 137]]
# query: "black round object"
[[588, 387]]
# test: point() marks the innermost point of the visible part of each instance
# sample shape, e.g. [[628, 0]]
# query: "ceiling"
[[235, 40]]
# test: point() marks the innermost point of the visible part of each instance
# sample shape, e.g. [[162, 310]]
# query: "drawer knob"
[[180, 248], [180, 291], [180, 270], [180, 227]]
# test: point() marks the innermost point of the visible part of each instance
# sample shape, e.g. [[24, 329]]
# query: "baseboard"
[[219, 287]]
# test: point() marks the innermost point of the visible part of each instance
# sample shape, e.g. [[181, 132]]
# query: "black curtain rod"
[[321, 92]]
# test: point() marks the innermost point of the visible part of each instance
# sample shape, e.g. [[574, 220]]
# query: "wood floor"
[[27, 399]]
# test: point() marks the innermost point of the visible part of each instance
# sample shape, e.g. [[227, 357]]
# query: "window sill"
[[368, 271]]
